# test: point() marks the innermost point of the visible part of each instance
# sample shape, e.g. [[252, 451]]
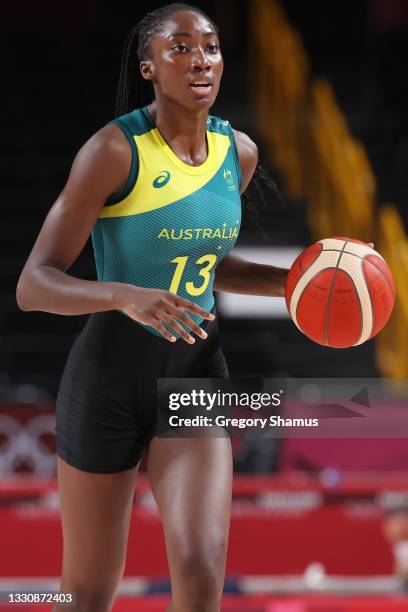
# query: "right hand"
[[155, 306]]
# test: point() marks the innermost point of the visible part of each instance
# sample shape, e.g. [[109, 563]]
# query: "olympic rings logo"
[[24, 444]]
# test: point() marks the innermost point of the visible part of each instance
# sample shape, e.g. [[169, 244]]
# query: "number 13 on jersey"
[[205, 272]]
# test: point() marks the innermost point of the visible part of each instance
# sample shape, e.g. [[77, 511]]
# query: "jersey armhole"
[[120, 195], [236, 156]]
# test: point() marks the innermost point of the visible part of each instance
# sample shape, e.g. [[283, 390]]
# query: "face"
[[396, 527], [186, 63]]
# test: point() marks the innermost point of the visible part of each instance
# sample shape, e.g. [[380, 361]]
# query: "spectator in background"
[[396, 533]]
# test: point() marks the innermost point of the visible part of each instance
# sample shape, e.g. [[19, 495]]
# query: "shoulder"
[[247, 149], [248, 157], [103, 162], [108, 146], [108, 142]]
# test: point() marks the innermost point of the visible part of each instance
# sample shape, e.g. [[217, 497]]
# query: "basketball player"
[[159, 188]]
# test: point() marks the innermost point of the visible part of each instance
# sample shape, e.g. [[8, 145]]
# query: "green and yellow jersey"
[[172, 223]]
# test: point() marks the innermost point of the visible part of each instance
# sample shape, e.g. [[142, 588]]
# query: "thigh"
[[101, 415], [95, 513], [204, 359], [191, 479]]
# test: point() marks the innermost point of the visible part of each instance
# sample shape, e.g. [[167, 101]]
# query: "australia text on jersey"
[[182, 233]]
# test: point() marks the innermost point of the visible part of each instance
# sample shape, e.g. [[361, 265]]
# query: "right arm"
[[100, 168]]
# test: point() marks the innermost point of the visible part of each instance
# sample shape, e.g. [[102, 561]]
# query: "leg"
[[191, 479], [95, 513]]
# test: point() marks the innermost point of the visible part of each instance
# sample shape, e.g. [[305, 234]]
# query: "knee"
[[89, 599], [94, 600], [94, 588], [201, 578]]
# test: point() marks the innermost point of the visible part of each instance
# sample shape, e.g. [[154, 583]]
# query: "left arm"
[[235, 274]]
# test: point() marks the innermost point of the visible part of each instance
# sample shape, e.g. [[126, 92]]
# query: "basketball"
[[340, 292]]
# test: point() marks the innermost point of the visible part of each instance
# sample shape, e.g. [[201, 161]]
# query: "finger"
[[155, 323], [171, 322], [191, 307], [371, 244], [162, 329], [181, 316]]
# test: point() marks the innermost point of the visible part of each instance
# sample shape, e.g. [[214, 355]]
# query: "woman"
[[159, 188]]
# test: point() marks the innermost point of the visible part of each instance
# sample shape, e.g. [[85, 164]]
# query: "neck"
[[184, 131]]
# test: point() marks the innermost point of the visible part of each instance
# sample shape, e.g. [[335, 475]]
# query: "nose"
[[199, 60]]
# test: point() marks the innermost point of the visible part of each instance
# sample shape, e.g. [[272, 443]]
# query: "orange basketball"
[[340, 292]]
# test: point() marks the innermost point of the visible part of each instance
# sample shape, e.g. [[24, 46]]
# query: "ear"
[[147, 70]]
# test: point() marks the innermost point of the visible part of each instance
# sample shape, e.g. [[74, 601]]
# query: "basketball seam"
[[308, 285], [311, 264], [305, 270], [326, 323], [371, 302], [392, 289], [361, 306], [359, 301], [354, 254]]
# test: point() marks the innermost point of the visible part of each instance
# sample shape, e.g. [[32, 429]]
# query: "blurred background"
[[317, 525]]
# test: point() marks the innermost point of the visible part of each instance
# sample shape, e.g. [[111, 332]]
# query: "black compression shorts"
[[106, 403]]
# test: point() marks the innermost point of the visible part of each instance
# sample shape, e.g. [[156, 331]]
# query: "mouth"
[[203, 86]]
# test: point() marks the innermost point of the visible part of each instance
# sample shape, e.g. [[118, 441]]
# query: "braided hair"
[[135, 92]]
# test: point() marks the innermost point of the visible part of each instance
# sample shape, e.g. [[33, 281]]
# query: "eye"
[[213, 47], [180, 48]]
